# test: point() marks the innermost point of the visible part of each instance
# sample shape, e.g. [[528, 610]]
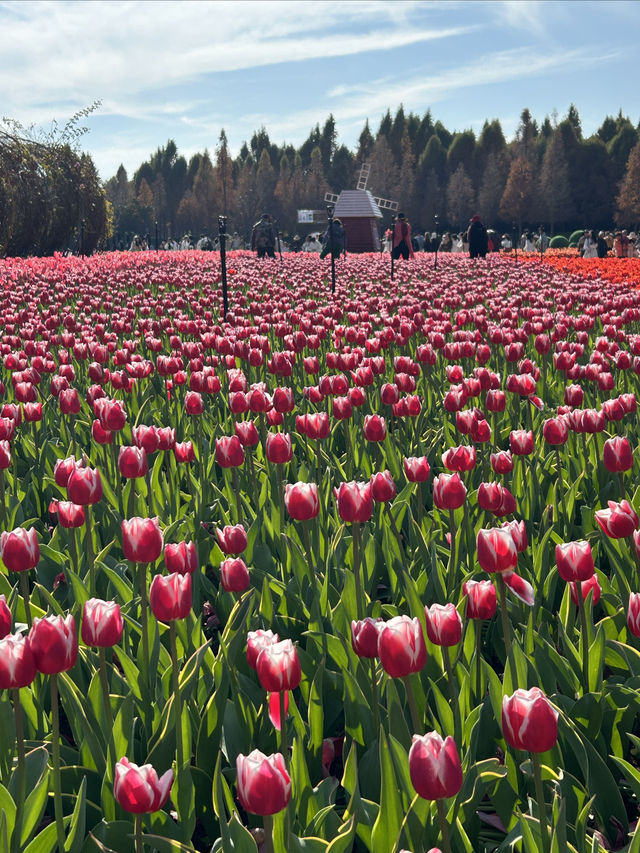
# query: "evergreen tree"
[[619, 148], [315, 185], [386, 126], [573, 117], [327, 143], [462, 151], [265, 183], [341, 174], [607, 129], [519, 193], [460, 197], [224, 174], [628, 200], [556, 204], [365, 144], [396, 136], [492, 187], [384, 177], [246, 197]]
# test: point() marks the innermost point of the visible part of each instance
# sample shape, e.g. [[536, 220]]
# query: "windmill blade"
[[331, 198], [363, 176], [386, 204]]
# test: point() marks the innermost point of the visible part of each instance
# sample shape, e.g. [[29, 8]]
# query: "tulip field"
[[340, 572]]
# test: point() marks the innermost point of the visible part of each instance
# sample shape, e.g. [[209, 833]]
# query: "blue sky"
[[184, 70]]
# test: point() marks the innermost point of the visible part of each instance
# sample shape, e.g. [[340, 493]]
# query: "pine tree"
[[224, 174], [555, 196], [519, 193], [315, 185], [628, 200], [265, 183], [365, 144], [460, 197], [384, 178], [491, 188]]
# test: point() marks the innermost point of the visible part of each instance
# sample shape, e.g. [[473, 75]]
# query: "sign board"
[[305, 216]]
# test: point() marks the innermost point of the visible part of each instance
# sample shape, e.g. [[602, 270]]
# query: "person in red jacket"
[[401, 238]]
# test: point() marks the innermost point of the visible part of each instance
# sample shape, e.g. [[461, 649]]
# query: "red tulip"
[[301, 501], [342, 408], [142, 539], [264, 785], [232, 539], [590, 585], [234, 575], [529, 721], [461, 458], [317, 426], [617, 455], [278, 667], [496, 400], [138, 789], [382, 487], [247, 433], [132, 462], [32, 412], [354, 502], [229, 452], [63, 469], [633, 614], [482, 600], [193, 404], [184, 452], [449, 492], [70, 515], [181, 557], [170, 597], [375, 428], [5, 455], [17, 664], [496, 550], [256, 642], [521, 442], [417, 469], [555, 431], [573, 395], [434, 766], [84, 486], [518, 532], [618, 521], [364, 637], [69, 402], [19, 549], [102, 623], [101, 435], [401, 646], [574, 561], [54, 643], [279, 449], [167, 439], [444, 625], [146, 437], [502, 462], [274, 708]]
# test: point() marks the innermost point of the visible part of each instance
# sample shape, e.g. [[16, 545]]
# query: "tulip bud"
[[256, 642], [5, 617], [355, 502], [449, 492], [232, 539], [229, 452], [401, 646], [383, 488], [234, 575], [138, 789], [444, 625], [521, 442], [633, 614], [132, 462], [264, 785], [19, 549], [54, 643], [279, 448], [364, 637], [434, 766], [181, 557], [170, 597], [417, 469], [461, 458], [142, 539], [574, 561], [496, 550], [618, 521], [617, 455], [482, 600], [17, 663], [184, 452], [529, 721], [590, 585], [278, 667], [102, 623], [301, 501], [84, 486], [70, 515]]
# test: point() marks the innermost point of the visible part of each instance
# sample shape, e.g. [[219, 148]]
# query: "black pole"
[[222, 227], [157, 245], [333, 260], [436, 219], [275, 222], [393, 234], [514, 237]]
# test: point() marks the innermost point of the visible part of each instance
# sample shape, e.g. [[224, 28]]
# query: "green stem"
[[24, 589], [177, 703], [420, 506], [374, 695], [453, 695], [477, 624], [3, 503], [55, 754], [560, 482], [348, 449], [138, 833], [144, 605], [267, 822], [356, 571], [312, 575], [88, 535], [106, 697], [585, 637], [22, 779], [236, 489], [444, 826], [413, 707], [537, 775], [280, 499], [506, 629], [452, 552], [621, 483]]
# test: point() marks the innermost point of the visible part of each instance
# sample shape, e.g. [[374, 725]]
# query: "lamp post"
[[393, 233], [514, 239], [436, 220], [222, 236], [333, 260]]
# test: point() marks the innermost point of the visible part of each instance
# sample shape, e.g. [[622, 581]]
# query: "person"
[[236, 241], [527, 244], [446, 244], [339, 240], [308, 242], [402, 238], [204, 244], [136, 244], [590, 248], [601, 245], [386, 240], [506, 244], [314, 245], [263, 237], [296, 244], [634, 245], [457, 245], [543, 240], [418, 242], [477, 238], [186, 243]]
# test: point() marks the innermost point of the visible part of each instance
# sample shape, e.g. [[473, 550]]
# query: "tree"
[[492, 187], [406, 179], [460, 197], [628, 200], [519, 193], [365, 144], [315, 185], [525, 135], [384, 177], [573, 117], [607, 129], [462, 152], [327, 143], [556, 203], [619, 148], [341, 173], [246, 196], [265, 182], [224, 176]]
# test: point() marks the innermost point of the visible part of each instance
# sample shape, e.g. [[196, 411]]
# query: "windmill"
[[359, 211]]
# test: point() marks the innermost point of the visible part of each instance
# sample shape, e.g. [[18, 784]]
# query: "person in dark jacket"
[[601, 245], [263, 237], [402, 243], [339, 241], [477, 238]]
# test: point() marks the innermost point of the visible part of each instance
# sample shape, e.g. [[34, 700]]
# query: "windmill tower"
[[359, 212]]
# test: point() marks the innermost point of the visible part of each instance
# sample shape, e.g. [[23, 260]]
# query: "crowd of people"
[[477, 241]]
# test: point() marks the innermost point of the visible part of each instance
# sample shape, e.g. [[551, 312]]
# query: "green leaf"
[[76, 833], [387, 826], [8, 807], [343, 843], [45, 842], [167, 845]]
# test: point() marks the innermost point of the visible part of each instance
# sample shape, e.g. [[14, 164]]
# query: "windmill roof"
[[356, 203]]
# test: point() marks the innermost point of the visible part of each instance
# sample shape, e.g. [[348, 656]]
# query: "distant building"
[[359, 214]]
